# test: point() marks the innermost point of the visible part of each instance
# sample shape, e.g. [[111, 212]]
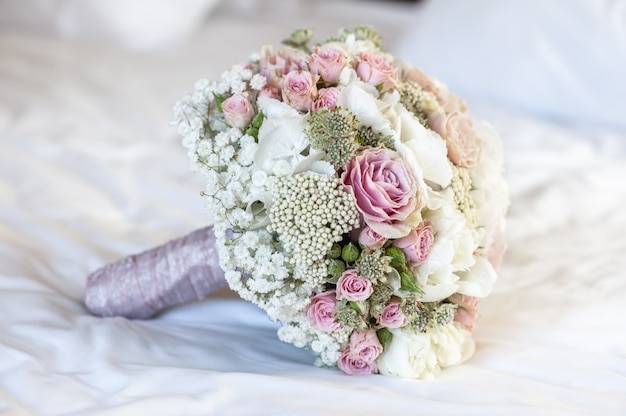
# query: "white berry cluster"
[[310, 213]]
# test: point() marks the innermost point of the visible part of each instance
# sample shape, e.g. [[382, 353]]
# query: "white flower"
[[421, 355], [409, 355], [452, 251], [422, 147], [281, 136]]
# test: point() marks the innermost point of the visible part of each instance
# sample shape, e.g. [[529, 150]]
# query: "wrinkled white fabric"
[[90, 171]]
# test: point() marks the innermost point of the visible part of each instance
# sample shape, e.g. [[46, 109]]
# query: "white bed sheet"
[[90, 171]]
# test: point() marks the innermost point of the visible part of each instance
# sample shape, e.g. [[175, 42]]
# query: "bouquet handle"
[[141, 285]]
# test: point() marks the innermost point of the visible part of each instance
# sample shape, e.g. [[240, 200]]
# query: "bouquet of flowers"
[[354, 200]]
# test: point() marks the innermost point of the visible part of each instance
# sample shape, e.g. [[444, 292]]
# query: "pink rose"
[[385, 191], [352, 287], [392, 316], [274, 65], [365, 345], [376, 70], [355, 366], [467, 310], [327, 98], [238, 111], [299, 90], [371, 239], [320, 312], [271, 92], [416, 245], [458, 131], [327, 63]]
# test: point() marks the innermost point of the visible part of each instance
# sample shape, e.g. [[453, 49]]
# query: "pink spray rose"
[[458, 131], [320, 312], [416, 245], [355, 366], [371, 239], [327, 97], [365, 345], [327, 63], [376, 70], [238, 110], [271, 92], [467, 311], [385, 191], [275, 65], [352, 287], [392, 316], [299, 90]]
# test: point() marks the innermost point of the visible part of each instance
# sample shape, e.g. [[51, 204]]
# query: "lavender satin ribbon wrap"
[[141, 285]]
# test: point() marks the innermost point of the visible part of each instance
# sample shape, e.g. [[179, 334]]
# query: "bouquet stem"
[[141, 285]]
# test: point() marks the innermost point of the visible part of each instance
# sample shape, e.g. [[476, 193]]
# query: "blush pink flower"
[[327, 98], [327, 63], [376, 70], [275, 65], [320, 312], [467, 311], [392, 316], [355, 366], [365, 345], [416, 245], [371, 239], [352, 287], [299, 90], [461, 140], [238, 110], [271, 92], [385, 191]]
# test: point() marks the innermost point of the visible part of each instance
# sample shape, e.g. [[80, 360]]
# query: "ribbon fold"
[[144, 284]]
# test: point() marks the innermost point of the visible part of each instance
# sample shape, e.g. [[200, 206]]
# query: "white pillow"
[[564, 59], [135, 24]]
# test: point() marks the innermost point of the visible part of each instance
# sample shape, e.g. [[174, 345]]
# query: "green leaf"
[[355, 306], [408, 283], [384, 336], [219, 100], [398, 259]]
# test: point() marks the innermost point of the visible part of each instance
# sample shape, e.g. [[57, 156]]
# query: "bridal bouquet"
[[354, 200]]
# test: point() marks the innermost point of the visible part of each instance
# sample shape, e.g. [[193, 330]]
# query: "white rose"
[[452, 344], [409, 355], [421, 355], [452, 251]]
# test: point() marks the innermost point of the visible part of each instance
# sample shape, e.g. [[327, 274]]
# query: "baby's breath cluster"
[[309, 214]]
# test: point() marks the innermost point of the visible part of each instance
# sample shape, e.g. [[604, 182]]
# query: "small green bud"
[[398, 259], [301, 37], [335, 251], [335, 268], [350, 253]]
